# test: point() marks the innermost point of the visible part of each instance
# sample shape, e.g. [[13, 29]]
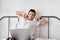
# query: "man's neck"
[[30, 19]]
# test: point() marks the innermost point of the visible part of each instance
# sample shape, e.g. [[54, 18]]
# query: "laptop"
[[20, 34]]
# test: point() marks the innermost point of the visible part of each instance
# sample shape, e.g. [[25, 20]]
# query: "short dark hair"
[[32, 10]]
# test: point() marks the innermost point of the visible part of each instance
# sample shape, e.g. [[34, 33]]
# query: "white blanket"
[[44, 39]]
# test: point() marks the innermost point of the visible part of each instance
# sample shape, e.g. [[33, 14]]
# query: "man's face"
[[31, 15]]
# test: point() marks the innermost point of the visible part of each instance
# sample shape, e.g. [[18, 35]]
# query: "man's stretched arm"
[[41, 20], [19, 13]]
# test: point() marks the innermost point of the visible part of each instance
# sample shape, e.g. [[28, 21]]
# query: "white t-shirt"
[[27, 24], [24, 23]]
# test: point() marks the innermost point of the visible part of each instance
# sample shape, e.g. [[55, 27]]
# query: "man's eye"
[[30, 14]]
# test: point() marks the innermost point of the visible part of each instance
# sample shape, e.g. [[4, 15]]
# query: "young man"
[[34, 20]]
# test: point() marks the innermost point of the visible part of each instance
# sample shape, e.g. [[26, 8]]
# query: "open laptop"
[[20, 34]]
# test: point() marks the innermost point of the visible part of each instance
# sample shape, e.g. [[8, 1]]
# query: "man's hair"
[[32, 10]]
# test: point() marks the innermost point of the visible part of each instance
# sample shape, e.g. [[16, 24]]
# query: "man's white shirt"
[[24, 23]]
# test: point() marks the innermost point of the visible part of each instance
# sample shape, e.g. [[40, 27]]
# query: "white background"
[[42, 7]]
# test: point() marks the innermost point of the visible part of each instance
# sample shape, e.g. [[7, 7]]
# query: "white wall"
[[46, 7], [10, 6], [43, 7], [0, 6], [52, 7]]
